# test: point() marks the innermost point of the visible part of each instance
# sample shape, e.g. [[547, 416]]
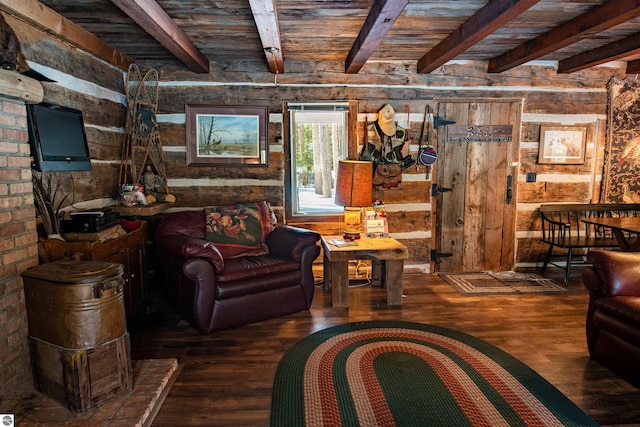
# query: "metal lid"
[[72, 272]]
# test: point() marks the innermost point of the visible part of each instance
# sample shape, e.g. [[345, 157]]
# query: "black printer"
[[89, 221]]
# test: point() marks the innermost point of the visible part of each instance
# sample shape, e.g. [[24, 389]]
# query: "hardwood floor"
[[226, 376]]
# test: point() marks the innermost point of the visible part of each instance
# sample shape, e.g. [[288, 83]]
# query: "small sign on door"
[[475, 133]]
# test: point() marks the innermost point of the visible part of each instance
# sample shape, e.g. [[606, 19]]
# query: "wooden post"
[[15, 85]]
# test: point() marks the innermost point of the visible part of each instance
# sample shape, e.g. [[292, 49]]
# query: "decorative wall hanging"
[[621, 175], [562, 145], [226, 135], [142, 148]]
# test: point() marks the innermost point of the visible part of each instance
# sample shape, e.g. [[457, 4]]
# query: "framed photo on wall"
[[562, 145], [226, 135]]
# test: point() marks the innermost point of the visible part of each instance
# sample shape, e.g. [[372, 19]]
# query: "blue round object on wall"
[[428, 156]]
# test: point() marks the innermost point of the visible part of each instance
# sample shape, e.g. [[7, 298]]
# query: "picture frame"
[[562, 145], [226, 135]]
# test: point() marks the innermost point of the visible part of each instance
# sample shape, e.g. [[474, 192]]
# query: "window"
[[317, 141]]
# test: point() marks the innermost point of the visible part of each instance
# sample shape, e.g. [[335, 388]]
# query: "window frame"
[[352, 149]]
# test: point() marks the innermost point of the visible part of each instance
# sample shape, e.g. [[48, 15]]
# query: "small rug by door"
[[502, 282], [393, 373]]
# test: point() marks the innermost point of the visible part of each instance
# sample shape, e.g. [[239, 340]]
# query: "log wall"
[[549, 98], [88, 84]]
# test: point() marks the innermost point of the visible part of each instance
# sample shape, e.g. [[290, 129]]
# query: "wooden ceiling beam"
[[155, 21], [484, 22], [266, 17], [610, 52], [633, 67], [382, 15], [40, 16], [596, 20]]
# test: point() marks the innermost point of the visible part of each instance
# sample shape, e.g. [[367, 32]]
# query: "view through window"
[[318, 142]]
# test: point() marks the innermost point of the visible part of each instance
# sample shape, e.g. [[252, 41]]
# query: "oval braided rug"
[[392, 373]]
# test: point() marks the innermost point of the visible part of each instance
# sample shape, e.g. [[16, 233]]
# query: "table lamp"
[[354, 190]]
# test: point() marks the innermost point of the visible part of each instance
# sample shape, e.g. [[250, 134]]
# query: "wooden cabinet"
[[128, 250]]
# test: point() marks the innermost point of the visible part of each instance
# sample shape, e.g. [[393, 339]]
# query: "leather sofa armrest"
[[592, 282], [618, 271], [287, 241], [189, 247], [198, 294]]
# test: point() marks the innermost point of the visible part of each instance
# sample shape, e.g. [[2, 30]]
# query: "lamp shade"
[[354, 183]]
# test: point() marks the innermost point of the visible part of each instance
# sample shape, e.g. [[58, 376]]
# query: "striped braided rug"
[[391, 373]]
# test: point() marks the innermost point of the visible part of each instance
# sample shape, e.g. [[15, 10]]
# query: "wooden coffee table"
[[388, 257]]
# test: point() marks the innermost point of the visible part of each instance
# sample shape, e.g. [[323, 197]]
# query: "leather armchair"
[[613, 316], [214, 293]]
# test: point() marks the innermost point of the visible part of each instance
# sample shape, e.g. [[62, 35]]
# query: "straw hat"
[[385, 120]]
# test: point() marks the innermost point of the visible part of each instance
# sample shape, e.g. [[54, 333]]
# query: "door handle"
[[509, 195]]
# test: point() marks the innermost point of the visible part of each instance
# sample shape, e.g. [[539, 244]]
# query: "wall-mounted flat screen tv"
[[57, 138]]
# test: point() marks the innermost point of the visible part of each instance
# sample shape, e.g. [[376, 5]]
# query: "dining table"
[[625, 229]]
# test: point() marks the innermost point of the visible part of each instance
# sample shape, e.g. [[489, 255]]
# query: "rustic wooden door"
[[477, 161]]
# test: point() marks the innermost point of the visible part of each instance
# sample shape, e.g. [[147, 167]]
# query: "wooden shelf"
[[142, 210]]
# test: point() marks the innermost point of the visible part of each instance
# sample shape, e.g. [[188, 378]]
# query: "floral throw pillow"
[[241, 229]]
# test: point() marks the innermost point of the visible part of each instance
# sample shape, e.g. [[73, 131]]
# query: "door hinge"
[[435, 255], [439, 121], [435, 189]]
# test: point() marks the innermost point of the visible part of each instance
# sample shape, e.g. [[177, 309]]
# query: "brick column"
[[18, 243]]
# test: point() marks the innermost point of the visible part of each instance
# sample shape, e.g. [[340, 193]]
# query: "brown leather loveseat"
[[613, 317], [212, 292]]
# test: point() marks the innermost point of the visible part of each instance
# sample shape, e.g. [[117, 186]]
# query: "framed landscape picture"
[[226, 135], [562, 145]]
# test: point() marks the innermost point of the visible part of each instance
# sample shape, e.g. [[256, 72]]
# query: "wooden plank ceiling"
[[197, 35]]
